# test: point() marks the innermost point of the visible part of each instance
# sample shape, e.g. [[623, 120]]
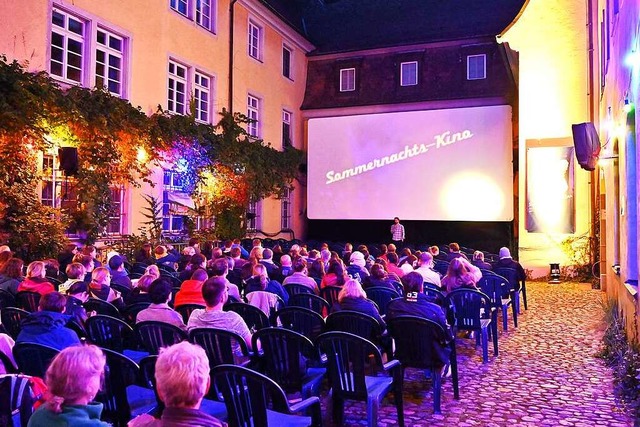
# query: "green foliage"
[[152, 227], [229, 223], [622, 356], [580, 252]]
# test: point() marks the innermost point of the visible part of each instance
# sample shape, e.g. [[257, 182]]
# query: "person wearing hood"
[[506, 261], [47, 325]]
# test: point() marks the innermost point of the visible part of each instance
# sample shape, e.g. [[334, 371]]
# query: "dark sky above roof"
[[346, 25]]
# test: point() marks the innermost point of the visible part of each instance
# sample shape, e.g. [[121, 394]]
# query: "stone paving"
[[546, 373]]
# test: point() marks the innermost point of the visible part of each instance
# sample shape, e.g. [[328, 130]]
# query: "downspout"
[[594, 231], [231, 21]]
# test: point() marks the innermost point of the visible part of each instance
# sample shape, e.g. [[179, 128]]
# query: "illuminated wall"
[[551, 39]]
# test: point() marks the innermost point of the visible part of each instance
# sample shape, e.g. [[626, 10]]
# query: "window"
[[253, 112], [286, 209], [255, 41], [409, 73], [204, 14], [184, 80], [202, 95], [172, 213], [286, 129], [200, 11], [286, 62], [347, 79], [109, 59], [253, 216], [74, 47], [476, 67], [114, 226], [180, 6]]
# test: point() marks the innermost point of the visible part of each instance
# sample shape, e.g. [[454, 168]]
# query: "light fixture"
[[633, 59]]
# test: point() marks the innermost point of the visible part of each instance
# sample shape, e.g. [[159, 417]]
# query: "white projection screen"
[[443, 165]]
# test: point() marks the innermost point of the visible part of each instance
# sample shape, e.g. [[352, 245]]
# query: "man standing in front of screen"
[[397, 233]]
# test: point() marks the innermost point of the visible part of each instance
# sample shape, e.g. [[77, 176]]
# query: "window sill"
[[632, 288]]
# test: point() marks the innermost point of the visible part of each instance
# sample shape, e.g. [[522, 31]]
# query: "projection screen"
[[453, 164]]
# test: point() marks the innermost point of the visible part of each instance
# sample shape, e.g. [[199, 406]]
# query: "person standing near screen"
[[397, 232]]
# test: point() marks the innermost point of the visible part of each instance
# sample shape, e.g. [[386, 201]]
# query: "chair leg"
[[453, 361], [436, 379], [505, 323], [524, 294], [495, 339], [397, 394], [485, 345], [337, 408], [516, 301], [372, 412], [515, 315]]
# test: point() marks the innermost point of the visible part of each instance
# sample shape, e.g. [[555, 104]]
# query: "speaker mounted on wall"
[[587, 144], [68, 157]]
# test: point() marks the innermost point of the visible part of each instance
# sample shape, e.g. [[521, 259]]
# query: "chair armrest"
[[393, 364], [300, 406]]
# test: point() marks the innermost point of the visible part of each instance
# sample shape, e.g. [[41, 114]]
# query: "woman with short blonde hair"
[[353, 298], [153, 270], [35, 281], [73, 379]]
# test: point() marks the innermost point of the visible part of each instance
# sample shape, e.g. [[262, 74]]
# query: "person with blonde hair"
[[182, 380], [461, 274], [35, 280], [73, 379], [153, 270], [353, 298], [478, 261], [140, 292], [260, 281], [75, 273], [100, 287]]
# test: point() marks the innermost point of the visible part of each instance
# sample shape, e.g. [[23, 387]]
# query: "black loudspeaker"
[[587, 144], [68, 157]]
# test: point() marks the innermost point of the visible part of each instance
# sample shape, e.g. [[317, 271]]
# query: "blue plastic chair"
[[347, 356], [33, 359], [301, 320], [497, 288], [381, 296], [517, 286]]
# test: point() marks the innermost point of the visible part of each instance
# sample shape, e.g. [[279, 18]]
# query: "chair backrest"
[[330, 294], [285, 354], [252, 316], [148, 377], [466, 307], [348, 355], [154, 335], [139, 267], [11, 318], [54, 281], [119, 373], [381, 296], [399, 287], [33, 359], [301, 320], [296, 288], [356, 323], [435, 296], [441, 266], [28, 301], [511, 274], [310, 301], [175, 281], [419, 342], [429, 285], [495, 287], [130, 312], [17, 399], [101, 307], [108, 332], [248, 394], [77, 327], [6, 299], [185, 310], [124, 290]]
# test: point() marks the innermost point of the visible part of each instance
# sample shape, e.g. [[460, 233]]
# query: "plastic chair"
[[330, 294], [175, 281], [130, 312], [436, 297], [285, 354], [28, 301], [124, 290], [301, 320], [359, 324], [122, 398], [16, 400], [399, 287], [419, 343], [11, 318], [101, 307], [33, 359], [185, 310], [78, 328], [295, 289], [310, 301], [6, 299], [253, 399], [348, 355], [517, 286], [252, 316], [381, 296], [8, 364], [470, 310], [497, 288], [108, 332], [152, 335], [441, 266], [222, 346]]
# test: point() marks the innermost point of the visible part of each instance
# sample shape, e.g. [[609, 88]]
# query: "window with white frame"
[[287, 53], [173, 214], [177, 88], [180, 6], [114, 226], [253, 216], [409, 73], [74, 46], [183, 81], [286, 129], [347, 79], [253, 113], [476, 67], [202, 96], [202, 12], [255, 41], [285, 202]]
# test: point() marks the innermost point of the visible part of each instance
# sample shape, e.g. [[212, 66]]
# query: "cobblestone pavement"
[[545, 375]]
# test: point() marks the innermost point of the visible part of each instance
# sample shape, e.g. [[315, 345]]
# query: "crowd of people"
[[211, 277]]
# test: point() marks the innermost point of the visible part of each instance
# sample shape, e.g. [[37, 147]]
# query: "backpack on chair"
[[20, 395]]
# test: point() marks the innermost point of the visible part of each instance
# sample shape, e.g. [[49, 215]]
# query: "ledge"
[[632, 288]]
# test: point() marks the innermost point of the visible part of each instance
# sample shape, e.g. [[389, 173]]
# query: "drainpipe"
[[231, 21], [595, 175]]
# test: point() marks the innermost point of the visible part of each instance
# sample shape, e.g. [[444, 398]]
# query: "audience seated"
[[87, 263], [182, 380], [144, 256], [91, 251], [214, 292], [506, 261], [191, 290], [66, 256], [220, 268], [73, 379], [426, 269], [435, 251], [454, 252], [159, 310], [77, 294], [260, 282], [11, 275], [6, 348], [35, 280], [478, 261], [47, 325], [357, 266], [75, 273], [278, 254], [185, 257], [336, 274], [272, 268], [299, 276], [166, 258], [378, 277], [461, 274], [100, 288], [285, 266], [119, 275], [392, 265], [196, 261], [316, 270], [153, 270], [353, 298]]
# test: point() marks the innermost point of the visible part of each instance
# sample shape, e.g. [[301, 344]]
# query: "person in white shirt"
[[425, 269], [300, 277]]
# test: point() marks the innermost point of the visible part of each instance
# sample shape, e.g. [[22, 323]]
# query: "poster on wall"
[[550, 204]]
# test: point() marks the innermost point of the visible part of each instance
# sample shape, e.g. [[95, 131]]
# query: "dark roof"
[[348, 25]]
